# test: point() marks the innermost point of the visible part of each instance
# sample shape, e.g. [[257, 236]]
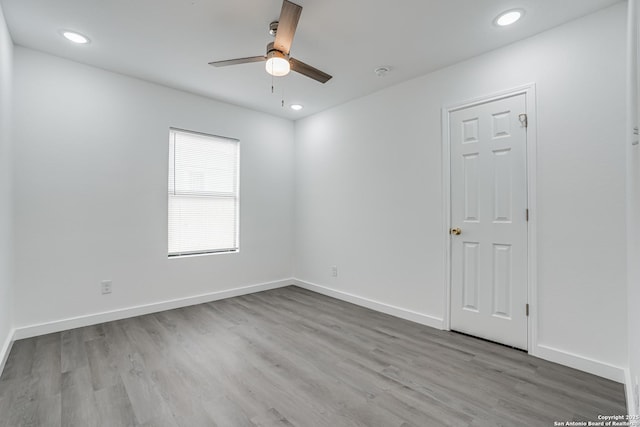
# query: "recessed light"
[[75, 37], [296, 107], [509, 17]]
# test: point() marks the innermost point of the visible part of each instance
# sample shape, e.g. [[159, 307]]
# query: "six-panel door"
[[488, 204]]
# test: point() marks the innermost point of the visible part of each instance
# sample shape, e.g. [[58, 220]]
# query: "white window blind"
[[203, 193]]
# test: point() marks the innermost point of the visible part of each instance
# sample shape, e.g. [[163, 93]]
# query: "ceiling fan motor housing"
[[272, 52]]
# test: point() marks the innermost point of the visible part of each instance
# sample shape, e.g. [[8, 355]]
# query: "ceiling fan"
[[278, 61]]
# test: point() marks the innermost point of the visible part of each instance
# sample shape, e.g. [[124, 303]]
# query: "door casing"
[[529, 90]]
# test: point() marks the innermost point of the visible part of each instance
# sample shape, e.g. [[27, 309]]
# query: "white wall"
[[91, 155], [6, 200], [633, 210], [369, 188]]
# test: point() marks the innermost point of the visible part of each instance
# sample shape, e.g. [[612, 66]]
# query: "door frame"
[[529, 90]]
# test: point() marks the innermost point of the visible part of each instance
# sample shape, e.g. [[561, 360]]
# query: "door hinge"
[[527, 309], [524, 119], [527, 214]]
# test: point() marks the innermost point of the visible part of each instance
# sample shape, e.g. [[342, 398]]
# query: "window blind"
[[203, 193]]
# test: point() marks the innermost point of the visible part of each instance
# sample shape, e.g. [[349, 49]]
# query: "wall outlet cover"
[[105, 287]]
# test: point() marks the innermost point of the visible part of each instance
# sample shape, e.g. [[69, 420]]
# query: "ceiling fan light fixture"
[[277, 64], [509, 17]]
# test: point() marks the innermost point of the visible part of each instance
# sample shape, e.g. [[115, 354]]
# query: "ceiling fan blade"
[[289, 16], [309, 71], [238, 61]]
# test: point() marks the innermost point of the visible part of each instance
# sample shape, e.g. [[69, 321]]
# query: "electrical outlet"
[[334, 271], [105, 286]]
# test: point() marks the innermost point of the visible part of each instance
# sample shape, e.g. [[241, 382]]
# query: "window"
[[203, 193]]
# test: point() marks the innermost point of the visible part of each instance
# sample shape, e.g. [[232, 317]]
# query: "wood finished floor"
[[287, 357]]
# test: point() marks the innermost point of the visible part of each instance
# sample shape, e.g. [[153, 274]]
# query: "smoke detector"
[[382, 71]]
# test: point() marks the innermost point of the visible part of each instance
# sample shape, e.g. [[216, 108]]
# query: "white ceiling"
[[171, 41]]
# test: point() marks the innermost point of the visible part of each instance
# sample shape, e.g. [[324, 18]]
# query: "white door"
[[489, 210]]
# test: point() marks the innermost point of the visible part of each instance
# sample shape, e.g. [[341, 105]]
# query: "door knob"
[[455, 231]]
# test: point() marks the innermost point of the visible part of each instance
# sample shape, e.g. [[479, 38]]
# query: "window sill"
[[203, 254]]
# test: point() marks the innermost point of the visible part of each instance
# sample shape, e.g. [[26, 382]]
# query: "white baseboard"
[[123, 313], [413, 316], [6, 349], [592, 366]]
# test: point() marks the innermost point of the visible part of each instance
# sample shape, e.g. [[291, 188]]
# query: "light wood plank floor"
[[287, 357]]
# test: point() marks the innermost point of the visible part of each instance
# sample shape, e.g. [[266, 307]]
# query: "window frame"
[[213, 195]]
